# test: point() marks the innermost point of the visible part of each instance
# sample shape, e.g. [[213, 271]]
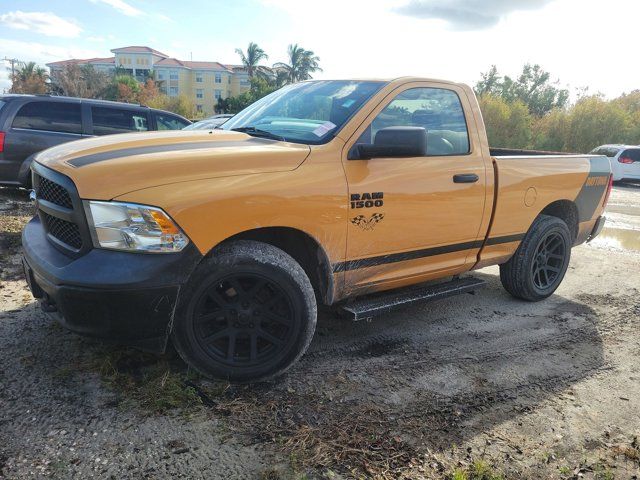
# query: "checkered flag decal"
[[367, 224]]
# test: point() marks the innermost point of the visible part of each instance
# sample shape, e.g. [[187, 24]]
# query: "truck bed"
[[519, 152]]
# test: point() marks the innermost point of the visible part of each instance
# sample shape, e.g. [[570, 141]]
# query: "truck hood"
[[105, 167]]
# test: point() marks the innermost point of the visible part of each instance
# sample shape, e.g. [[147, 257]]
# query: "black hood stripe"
[[173, 147]]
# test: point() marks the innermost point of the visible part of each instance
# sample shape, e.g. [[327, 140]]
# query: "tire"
[[537, 268], [247, 313]]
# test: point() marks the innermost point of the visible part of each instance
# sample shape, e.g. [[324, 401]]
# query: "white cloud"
[[122, 6], [370, 39], [468, 14], [45, 23]]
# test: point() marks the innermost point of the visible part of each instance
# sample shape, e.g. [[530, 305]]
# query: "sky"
[[582, 43]]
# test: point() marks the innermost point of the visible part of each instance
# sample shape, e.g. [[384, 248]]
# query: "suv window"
[[109, 120], [2, 104], [170, 122], [49, 116], [437, 110], [608, 151], [632, 153]]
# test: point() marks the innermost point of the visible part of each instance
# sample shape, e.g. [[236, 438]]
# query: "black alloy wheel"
[[548, 261], [540, 262], [247, 313], [244, 320]]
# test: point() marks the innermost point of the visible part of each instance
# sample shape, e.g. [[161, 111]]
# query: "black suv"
[[32, 123]]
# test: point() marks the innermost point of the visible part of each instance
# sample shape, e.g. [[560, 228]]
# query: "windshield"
[[307, 112], [206, 124], [608, 151]]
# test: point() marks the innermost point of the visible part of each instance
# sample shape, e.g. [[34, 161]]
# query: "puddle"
[[618, 238]]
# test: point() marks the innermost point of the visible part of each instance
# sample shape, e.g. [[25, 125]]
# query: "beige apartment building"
[[204, 82]]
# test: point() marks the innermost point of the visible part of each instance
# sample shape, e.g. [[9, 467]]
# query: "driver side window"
[[437, 110]]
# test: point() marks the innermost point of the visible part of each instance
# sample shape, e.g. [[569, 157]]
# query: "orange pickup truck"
[[360, 194]]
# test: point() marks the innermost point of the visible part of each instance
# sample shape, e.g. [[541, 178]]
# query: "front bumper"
[[126, 297]]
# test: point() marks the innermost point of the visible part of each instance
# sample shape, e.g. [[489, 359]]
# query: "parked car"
[[334, 192], [625, 160], [209, 123], [32, 123]]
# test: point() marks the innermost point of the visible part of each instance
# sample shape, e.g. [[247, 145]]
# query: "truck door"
[[416, 218]]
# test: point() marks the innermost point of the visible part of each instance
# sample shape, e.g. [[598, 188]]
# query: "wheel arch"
[[565, 210], [303, 248]]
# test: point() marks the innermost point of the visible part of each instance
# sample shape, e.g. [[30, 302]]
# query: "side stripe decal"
[[594, 187], [422, 253]]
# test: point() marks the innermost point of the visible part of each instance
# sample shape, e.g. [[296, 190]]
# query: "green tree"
[[595, 121], [252, 58], [259, 88], [490, 83], [182, 105], [533, 87], [29, 78], [550, 131], [302, 63], [508, 124], [80, 81], [123, 88]]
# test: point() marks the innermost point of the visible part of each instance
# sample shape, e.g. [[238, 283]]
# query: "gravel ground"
[[544, 390]]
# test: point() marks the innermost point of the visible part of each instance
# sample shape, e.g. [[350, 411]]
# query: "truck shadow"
[[434, 374]]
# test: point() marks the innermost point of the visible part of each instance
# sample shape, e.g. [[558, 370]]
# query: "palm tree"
[[30, 69], [29, 78], [252, 58], [302, 63]]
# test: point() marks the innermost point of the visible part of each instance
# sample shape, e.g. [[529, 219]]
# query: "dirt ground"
[[472, 387]]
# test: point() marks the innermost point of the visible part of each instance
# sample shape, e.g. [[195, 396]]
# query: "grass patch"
[[345, 438], [478, 470], [154, 383]]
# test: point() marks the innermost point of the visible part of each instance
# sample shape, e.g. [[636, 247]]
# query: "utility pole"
[[13, 62]]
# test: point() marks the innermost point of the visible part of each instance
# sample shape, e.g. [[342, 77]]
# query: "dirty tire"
[[540, 262], [247, 313]]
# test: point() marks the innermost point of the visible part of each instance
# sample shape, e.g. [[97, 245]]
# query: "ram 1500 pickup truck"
[[361, 194]]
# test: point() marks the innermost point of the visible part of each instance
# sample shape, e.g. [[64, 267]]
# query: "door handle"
[[465, 178]]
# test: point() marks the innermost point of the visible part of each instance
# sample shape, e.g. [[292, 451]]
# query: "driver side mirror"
[[392, 142]]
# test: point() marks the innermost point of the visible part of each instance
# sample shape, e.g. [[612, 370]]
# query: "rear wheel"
[[537, 268], [248, 313]]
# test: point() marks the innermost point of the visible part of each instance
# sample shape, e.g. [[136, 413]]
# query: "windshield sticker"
[[323, 129], [348, 103]]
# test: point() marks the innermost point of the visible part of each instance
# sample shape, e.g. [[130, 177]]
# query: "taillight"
[[1, 142], [606, 195], [626, 160]]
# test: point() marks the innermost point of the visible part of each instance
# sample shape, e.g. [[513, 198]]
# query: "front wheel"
[[247, 314], [540, 262]]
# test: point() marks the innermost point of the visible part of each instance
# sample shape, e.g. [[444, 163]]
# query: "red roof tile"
[[138, 48]]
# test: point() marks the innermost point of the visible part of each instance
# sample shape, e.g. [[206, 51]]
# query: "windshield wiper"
[[257, 132]]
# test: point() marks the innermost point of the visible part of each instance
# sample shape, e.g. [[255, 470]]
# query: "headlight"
[[132, 227]]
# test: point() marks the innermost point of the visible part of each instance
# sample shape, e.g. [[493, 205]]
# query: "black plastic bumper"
[[126, 297], [597, 228]]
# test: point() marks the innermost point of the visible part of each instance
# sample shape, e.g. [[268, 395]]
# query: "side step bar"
[[379, 304]]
